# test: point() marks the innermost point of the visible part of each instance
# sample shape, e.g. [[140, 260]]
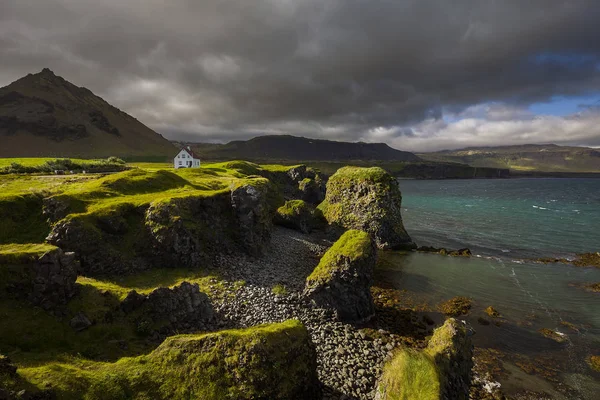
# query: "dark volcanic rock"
[[185, 231], [80, 322], [449, 356], [465, 252], [343, 278], [183, 306], [299, 215], [367, 199], [47, 281]]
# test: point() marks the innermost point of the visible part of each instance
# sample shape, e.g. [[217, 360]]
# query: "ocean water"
[[507, 223]]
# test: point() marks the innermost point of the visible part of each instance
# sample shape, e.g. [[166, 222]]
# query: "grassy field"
[[34, 337]]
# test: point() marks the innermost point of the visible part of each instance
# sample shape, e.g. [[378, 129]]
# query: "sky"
[[420, 75]]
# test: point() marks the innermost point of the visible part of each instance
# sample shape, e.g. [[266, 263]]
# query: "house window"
[[180, 162]]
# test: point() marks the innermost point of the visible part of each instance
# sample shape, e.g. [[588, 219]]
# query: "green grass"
[[353, 244], [22, 219], [411, 375], [33, 161], [17, 253], [260, 362], [279, 290]]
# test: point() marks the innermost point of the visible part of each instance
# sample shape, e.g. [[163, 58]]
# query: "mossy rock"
[[441, 371], [410, 374], [456, 306], [343, 277], [367, 199], [299, 215], [273, 361]]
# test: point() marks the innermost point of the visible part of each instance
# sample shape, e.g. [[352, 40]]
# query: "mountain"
[[294, 148], [43, 115], [523, 158]]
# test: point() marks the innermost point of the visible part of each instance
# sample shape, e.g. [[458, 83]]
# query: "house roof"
[[190, 152]]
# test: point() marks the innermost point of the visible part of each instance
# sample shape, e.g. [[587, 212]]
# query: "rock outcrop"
[[441, 372], [182, 307], [44, 275], [180, 231], [275, 361], [367, 199], [299, 215], [343, 278]]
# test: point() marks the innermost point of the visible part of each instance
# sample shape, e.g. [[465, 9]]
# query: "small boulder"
[[343, 278], [7, 368], [80, 322], [367, 199]]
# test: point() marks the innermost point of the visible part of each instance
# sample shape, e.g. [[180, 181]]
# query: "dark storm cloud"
[[344, 69]]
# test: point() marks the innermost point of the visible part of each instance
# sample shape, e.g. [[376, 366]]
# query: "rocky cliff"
[[367, 199], [43, 275], [343, 278]]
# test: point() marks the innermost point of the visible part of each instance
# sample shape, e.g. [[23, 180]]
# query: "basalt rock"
[[299, 215], [367, 199], [46, 280], [182, 231], [181, 307], [465, 252], [343, 278], [274, 361], [441, 372]]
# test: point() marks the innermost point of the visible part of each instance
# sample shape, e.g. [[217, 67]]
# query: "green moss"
[[410, 375], [353, 244], [261, 362], [292, 207]]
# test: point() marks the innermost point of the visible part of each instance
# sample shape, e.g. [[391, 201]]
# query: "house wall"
[[184, 160]]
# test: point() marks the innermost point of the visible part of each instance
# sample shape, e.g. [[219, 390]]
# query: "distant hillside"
[[294, 148], [531, 157], [43, 115]]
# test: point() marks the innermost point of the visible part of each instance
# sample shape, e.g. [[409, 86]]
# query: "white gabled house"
[[186, 158]]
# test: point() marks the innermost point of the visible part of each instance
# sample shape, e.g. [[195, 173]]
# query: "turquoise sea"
[[506, 224]]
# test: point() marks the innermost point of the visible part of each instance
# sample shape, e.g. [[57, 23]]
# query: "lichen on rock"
[[367, 199], [343, 277]]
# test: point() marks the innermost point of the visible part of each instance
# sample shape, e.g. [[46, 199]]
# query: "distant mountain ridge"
[[44, 115], [529, 157], [296, 148]]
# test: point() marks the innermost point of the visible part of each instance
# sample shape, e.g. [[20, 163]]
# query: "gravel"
[[349, 361]]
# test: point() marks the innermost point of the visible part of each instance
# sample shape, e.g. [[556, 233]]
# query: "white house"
[[186, 158]]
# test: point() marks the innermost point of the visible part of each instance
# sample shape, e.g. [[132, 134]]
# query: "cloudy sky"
[[416, 74]]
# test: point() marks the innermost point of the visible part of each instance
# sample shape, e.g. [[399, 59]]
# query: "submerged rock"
[[558, 337], [492, 312], [465, 252], [456, 306], [343, 278], [441, 371], [367, 199]]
